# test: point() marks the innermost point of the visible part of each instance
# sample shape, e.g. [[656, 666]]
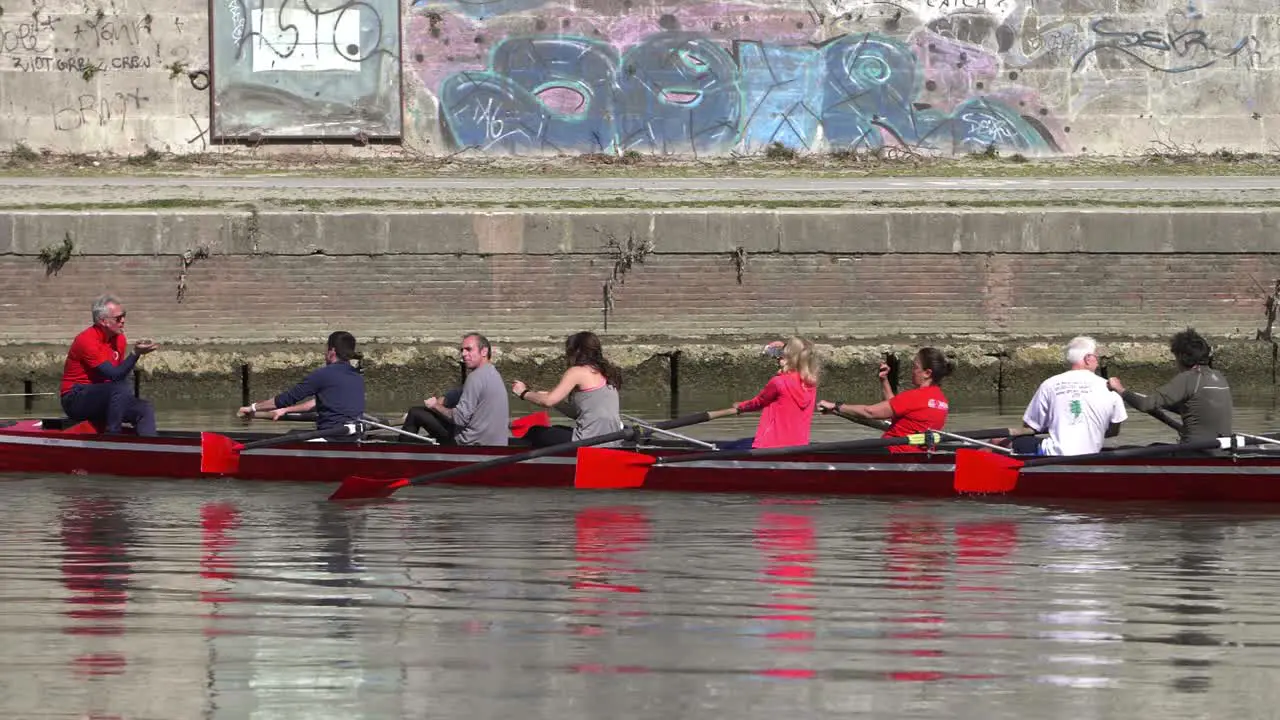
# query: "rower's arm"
[[1169, 395], [297, 394], [886, 388], [304, 406], [1112, 430], [116, 373], [879, 411], [555, 396]]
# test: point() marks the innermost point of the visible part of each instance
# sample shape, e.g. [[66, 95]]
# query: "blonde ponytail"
[[802, 357]]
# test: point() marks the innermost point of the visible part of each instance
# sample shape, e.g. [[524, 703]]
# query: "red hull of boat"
[[25, 448]]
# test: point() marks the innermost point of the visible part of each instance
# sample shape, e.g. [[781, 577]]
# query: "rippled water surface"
[[222, 599]]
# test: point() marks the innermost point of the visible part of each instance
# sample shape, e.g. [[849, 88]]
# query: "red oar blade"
[[355, 487], [219, 454], [606, 469], [983, 471], [521, 426]]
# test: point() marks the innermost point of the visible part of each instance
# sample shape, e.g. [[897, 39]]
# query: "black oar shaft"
[[626, 434], [331, 432], [1127, 453], [813, 448], [988, 434], [522, 457]]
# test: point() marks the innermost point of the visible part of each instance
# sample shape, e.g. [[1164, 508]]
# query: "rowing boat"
[[26, 446]]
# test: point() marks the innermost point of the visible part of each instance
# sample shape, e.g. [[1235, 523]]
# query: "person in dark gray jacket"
[[1199, 393]]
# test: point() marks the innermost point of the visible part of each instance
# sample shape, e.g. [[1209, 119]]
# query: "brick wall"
[[519, 297]]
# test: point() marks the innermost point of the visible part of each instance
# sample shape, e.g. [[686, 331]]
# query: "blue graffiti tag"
[[679, 92]]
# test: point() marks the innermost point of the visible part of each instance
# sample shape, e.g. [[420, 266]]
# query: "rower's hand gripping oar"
[[220, 454], [980, 471], [609, 469], [364, 488]]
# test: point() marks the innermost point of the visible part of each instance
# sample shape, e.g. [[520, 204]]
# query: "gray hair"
[[1079, 348], [100, 306]]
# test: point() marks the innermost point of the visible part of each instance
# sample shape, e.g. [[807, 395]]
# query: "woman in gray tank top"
[[587, 392]]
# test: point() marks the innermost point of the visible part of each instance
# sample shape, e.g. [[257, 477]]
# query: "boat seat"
[[67, 424], [62, 423]]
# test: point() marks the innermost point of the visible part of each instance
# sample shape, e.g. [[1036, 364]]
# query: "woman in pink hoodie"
[[787, 402]]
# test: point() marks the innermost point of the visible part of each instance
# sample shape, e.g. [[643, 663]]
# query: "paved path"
[[294, 191], [765, 184]]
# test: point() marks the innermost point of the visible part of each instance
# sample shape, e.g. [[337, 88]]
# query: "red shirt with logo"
[[90, 349], [915, 411]]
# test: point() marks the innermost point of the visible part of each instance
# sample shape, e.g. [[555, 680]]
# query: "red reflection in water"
[[787, 542], [606, 537], [607, 540], [982, 554], [918, 556], [217, 521], [95, 570]]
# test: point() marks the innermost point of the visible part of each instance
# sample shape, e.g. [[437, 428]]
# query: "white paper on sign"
[[298, 40]]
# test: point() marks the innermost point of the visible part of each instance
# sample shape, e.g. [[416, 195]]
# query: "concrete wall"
[[532, 76]]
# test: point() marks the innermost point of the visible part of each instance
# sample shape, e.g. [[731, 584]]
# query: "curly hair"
[[1191, 349]]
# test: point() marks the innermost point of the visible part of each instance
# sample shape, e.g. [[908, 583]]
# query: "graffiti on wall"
[[79, 49], [1168, 49], [306, 69], [682, 93]]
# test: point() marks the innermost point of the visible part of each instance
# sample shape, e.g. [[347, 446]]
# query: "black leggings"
[[548, 436], [420, 418]]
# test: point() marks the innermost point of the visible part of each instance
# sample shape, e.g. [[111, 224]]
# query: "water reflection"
[[238, 600], [96, 566], [1195, 571], [607, 542], [787, 542], [916, 563]]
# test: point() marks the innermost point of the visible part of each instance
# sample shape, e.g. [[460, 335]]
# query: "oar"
[[659, 431], [609, 469], [979, 471], [220, 454], [521, 426], [362, 488], [969, 435]]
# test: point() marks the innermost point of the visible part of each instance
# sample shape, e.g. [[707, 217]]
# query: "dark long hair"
[[936, 362], [584, 349], [1191, 349]]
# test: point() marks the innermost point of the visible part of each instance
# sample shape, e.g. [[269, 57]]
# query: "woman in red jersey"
[[923, 407], [787, 402]]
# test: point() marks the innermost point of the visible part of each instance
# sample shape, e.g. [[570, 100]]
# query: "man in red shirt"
[[94, 378]]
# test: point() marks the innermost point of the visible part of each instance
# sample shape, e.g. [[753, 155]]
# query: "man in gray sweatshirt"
[[481, 414], [1199, 393]]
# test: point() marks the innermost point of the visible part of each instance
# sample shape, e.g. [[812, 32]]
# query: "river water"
[[225, 599]]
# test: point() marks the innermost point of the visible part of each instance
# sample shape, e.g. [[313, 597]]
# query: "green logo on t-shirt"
[[1076, 409]]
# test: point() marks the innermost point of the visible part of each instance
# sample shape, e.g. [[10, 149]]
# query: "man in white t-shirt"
[[1075, 408]]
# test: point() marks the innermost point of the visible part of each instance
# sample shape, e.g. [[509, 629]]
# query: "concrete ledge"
[[713, 372], [536, 232]]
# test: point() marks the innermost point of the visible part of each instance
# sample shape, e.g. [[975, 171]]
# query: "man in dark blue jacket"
[[335, 391]]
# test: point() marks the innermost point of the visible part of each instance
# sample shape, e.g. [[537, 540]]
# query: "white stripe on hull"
[[806, 466]]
